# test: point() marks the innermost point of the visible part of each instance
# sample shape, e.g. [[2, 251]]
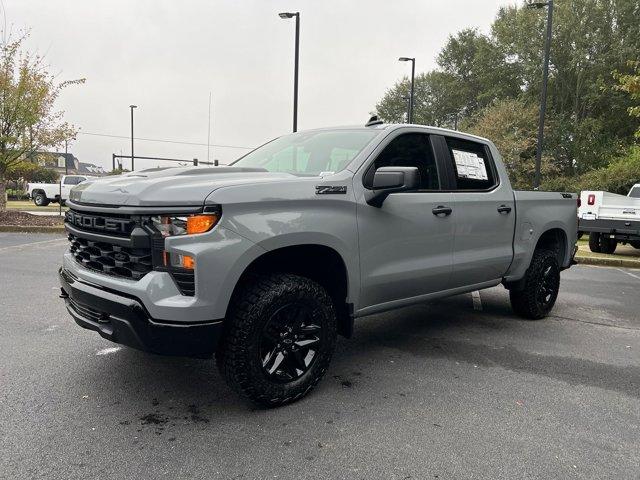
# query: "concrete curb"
[[608, 262], [31, 229]]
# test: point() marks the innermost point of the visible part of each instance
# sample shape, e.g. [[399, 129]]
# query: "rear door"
[[406, 247], [484, 213]]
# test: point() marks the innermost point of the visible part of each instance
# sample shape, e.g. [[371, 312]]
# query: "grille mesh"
[[105, 257]]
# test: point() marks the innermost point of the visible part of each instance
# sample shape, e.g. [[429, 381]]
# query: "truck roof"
[[396, 126]]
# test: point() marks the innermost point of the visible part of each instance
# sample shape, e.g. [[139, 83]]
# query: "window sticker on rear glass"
[[470, 165]]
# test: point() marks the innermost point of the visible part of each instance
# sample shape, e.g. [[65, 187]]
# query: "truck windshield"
[[309, 153], [635, 192]]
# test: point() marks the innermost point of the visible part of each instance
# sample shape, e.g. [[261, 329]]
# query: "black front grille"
[[112, 259], [92, 238]]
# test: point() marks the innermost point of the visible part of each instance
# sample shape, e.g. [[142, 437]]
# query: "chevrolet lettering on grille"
[[104, 224]]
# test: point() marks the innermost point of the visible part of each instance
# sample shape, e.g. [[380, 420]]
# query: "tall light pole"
[[295, 68], [132, 156], [66, 152], [543, 93], [413, 78]]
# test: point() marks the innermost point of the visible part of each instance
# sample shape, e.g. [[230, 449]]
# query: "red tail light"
[[591, 200], [579, 202]]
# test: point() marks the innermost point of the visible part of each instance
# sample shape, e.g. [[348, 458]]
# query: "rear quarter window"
[[473, 168]]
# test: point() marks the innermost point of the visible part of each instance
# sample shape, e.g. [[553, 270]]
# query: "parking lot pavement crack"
[[600, 324]]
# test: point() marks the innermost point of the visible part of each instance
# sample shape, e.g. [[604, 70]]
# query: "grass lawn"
[[22, 205]]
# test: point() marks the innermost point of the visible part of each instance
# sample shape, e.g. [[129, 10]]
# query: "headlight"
[[169, 226]]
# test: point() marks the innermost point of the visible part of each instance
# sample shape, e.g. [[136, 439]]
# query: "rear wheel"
[[279, 339], [598, 243], [608, 245], [541, 285], [40, 199]]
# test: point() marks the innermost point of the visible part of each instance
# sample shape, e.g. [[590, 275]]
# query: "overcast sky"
[[166, 56]]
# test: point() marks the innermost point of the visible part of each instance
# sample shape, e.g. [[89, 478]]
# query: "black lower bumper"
[[123, 319]]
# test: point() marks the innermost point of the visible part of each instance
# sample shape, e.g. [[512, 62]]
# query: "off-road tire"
[[608, 245], [594, 242], [238, 356], [542, 277], [40, 199], [635, 244], [598, 243]]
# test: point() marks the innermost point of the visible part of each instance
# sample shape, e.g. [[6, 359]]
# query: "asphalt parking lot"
[[437, 391]]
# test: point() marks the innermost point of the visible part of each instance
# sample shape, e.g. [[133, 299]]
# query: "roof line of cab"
[[375, 124]]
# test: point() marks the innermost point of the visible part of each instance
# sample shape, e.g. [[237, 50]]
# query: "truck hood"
[[168, 186]]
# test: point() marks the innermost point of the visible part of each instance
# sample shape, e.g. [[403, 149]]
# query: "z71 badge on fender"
[[331, 189]]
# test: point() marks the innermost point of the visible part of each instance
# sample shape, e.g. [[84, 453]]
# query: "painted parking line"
[[477, 301], [628, 273], [61, 241]]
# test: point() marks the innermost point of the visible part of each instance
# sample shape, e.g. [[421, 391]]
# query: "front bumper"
[[123, 319]]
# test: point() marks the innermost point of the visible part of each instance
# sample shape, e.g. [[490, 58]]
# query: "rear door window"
[[472, 165]]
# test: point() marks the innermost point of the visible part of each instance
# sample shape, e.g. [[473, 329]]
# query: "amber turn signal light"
[[201, 223]]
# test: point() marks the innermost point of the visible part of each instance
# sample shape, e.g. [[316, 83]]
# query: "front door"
[[406, 245]]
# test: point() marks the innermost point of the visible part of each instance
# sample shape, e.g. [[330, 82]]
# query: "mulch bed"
[[22, 219]]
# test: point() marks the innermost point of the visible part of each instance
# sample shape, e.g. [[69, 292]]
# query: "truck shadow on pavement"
[[167, 391]]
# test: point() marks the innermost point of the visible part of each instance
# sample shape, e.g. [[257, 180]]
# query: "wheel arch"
[[320, 263], [555, 240]]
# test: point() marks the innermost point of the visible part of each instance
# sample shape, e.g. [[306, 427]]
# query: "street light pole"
[[66, 151], [413, 78], [132, 155], [543, 93], [295, 67]]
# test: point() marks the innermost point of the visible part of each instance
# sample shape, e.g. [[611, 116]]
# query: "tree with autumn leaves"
[[29, 121]]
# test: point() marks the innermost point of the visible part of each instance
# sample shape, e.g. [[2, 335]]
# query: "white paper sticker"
[[469, 165]]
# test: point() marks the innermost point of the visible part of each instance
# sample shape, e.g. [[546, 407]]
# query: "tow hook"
[[63, 294]]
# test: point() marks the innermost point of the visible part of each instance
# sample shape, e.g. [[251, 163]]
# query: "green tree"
[[587, 119], [630, 83], [30, 172], [28, 120], [435, 100], [512, 125]]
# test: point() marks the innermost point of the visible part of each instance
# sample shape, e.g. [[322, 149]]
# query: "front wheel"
[[541, 285], [279, 339], [40, 199]]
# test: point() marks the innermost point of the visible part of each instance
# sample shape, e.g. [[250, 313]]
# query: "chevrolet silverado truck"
[[264, 262]]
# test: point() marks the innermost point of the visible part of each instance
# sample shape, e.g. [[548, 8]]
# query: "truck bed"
[[537, 212]]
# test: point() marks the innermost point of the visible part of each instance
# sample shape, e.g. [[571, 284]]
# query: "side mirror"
[[388, 180]]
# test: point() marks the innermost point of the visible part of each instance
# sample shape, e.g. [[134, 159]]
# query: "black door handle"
[[504, 209], [440, 210]]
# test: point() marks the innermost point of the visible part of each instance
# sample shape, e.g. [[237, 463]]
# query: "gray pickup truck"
[[264, 262]]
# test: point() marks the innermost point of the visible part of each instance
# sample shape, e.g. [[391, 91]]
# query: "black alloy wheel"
[[548, 288], [290, 342]]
